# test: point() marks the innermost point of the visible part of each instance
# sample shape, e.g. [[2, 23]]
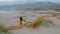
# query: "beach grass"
[[47, 22], [56, 14], [4, 30], [38, 22], [35, 23]]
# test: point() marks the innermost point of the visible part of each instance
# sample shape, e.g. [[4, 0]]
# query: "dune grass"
[[14, 27], [58, 17], [47, 22], [4, 30], [56, 14], [38, 22], [34, 23]]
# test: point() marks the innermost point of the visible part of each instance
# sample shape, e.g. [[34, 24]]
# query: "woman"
[[21, 22]]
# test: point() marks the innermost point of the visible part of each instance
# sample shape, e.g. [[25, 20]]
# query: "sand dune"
[[9, 19]]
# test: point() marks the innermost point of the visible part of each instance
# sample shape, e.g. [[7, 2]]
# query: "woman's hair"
[[21, 18]]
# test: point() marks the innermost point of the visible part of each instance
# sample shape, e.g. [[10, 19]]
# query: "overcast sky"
[[4, 2], [28, 0]]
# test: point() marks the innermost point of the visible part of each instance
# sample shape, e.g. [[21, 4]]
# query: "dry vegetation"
[[4, 30], [58, 17], [39, 21], [56, 14], [34, 23], [14, 27]]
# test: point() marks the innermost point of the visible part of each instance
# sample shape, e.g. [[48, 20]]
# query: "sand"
[[11, 18]]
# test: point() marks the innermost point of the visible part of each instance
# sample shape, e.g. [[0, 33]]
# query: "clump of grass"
[[38, 22], [4, 30], [58, 17], [14, 27], [47, 22], [35, 23], [54, 15]]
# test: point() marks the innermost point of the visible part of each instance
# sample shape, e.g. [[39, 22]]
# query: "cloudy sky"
[[23, 1], [4, 2]]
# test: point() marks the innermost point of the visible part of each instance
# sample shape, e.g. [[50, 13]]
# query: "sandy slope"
[[43, 30]]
